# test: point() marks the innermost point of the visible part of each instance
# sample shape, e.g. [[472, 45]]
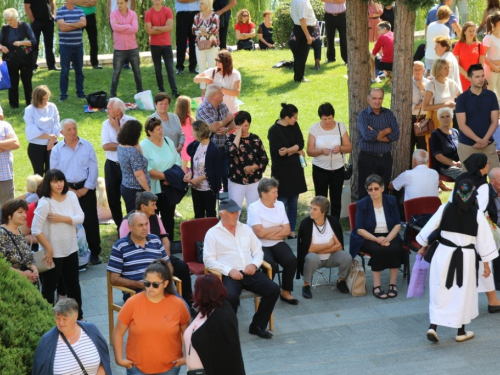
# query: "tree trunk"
[[463, 10], [358, 75], [402, 85]]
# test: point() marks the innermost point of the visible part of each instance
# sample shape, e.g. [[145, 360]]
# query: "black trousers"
[[325, 180], [88, 203], [39, 158], [333, 23], [369, 164], [181, 270], [260, 284], [67, 268], [167, 213], [183, 31], [419, 53], [223, 36], [92, 35], [113, 180], [496, 272], [282, 254], [23, 70], [47, 29], [203, 203], [301, 52]]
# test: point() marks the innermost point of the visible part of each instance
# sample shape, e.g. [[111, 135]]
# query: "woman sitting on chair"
[[377, 233]]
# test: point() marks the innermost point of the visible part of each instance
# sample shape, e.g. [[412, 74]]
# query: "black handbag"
[[98, 99], [199, 250], [246, 44]]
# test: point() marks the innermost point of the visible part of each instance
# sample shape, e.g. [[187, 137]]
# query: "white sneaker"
[[468, 335], [376, 80], [177, 214]]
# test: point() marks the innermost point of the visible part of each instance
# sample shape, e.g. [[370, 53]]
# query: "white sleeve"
[[105, 133], [77, 215], [41, 212], [483, 197], [256, 249], [253, 217], [400, 181], [210, 253], [485, 244]]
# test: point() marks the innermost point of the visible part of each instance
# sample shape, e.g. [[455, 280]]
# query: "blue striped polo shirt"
[[74, 37], [130, 260], [369, 125]]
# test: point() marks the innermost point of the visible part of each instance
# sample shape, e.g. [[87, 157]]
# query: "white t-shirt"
[[226, 82], [267, 217], [320, 239], [302, 9], [433, 30], [328, 139], [493, 44], [454, 68], [65, 363], [420, 181], [443, 92]]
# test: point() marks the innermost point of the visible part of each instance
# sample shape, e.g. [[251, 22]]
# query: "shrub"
[[283, 24], [24, 317]]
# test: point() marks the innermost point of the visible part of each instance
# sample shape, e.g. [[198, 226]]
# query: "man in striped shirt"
[[378, 128], [70, 21]]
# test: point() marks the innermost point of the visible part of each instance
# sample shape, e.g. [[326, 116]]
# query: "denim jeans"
[[119, 58], [67, 55], [136, 371], [165, 52], [291, 209]]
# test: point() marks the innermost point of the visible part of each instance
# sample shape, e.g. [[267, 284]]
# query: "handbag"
[[356, 279], [416, 289], [196, 372], [98, 99], [204, 44], [4, 76], [84, 372], [246, 44], [347, 166], [199, 250], [423, 126]]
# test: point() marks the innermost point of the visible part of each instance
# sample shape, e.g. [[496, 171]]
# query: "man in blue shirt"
[[76, 158], [70, 21], [452, 23], [377, 128], [477, 117]]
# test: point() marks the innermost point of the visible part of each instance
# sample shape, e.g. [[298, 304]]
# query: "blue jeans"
[[119, 58], [136, 371], [165, 52], [67, 55], [291, 209]]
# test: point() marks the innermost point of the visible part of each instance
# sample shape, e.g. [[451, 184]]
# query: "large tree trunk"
[[402, 85], [358, 75], [463, 10]]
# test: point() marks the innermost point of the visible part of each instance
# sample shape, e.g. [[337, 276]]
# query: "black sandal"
[[393, 293], [380, 292]]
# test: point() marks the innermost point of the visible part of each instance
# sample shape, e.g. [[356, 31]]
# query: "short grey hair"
[[440, 111], [266, 184], [144, 198], [133, 215], [420, 156], [68, 121], [66, 307], [212, 89], [375, 89], [10, 13], [374, 178], [419, 63], [117, 103], [494, 172], [322, 202]]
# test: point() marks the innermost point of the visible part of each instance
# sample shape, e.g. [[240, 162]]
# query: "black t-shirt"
[[267, 32], [388, 16], [41, 10], [223, 18], [446, 145]]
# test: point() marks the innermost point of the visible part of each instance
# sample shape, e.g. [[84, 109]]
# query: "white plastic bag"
[[144, 100]]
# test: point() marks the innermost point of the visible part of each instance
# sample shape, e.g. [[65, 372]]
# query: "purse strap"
[[74, 353], [341, 153]]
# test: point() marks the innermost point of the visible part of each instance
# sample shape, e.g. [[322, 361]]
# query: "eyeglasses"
[[148, 284], [373, 189]]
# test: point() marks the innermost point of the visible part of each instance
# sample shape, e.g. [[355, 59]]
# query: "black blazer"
[[213, 164], [17, 54]]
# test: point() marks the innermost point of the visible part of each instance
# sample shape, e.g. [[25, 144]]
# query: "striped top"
[[368, 137], [73, 37], [130, 260], [65, 363]]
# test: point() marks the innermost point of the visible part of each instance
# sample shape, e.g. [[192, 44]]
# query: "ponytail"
[[160, 267], [491, 21]]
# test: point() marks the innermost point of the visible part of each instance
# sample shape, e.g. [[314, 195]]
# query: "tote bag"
[[356, 279], [4, 76]]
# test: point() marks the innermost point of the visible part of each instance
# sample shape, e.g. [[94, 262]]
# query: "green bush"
[[283, 24], [24, 317]]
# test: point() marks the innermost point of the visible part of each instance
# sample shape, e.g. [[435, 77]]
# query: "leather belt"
[[375, 155], [335, 14], [76, 185]]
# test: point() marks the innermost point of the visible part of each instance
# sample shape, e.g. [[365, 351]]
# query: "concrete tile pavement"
[[334, 333]]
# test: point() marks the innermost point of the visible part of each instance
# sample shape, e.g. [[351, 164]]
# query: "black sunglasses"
[[155, 285]]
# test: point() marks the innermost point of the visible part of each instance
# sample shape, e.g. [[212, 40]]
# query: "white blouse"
[[323, 238], [328, 139], [41, 121], [380, 219]]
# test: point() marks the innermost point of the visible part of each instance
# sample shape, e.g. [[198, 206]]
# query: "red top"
[[385, 43], [468, 55], [244, 28], [30, 214], [159, 19]]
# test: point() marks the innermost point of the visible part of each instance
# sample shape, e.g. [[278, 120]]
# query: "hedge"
[[24, 317]]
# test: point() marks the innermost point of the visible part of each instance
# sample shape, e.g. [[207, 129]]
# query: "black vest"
[[464, 223]]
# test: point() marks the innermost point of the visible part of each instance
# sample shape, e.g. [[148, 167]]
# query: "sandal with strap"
[[380, 294], [393, 293]]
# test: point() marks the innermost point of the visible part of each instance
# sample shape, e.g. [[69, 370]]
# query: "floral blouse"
[[251, 151], [15, 250], [199, 167], [212, 27]]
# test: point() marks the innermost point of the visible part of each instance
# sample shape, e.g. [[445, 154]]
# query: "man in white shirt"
[[304, 20], [232, 249], [421, 181], [112, 172]]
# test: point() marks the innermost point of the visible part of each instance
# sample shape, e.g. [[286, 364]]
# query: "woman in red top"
[[245, 30], [468, 51]]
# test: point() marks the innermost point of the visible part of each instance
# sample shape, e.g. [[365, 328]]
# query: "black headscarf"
[[464, 196], [474, 164]]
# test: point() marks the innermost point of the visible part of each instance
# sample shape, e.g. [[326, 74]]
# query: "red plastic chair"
[[351, 210], [442, 177], [192, 231], [418, 206]]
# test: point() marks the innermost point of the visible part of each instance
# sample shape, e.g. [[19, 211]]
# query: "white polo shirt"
[[302, 9], [420, 181]]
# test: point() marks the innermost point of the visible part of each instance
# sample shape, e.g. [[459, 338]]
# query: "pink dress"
[[373, 21], [187, 129]]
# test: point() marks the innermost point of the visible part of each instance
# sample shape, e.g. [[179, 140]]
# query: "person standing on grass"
[[8, 142], [335, 19], [185, 11], [89, 7], [304, 20]]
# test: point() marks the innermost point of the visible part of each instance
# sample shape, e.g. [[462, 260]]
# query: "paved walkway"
[[338, 334]]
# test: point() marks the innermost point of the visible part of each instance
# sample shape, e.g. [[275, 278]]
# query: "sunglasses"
[[373, 189], [155, 285], [244, 15]]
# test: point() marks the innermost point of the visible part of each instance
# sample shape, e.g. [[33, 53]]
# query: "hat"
[[229, 205]]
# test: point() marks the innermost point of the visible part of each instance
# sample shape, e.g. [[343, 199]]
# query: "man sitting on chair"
[[232, 249], [384, 43]]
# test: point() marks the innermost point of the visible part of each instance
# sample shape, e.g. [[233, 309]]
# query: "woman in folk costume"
[[464, 237]]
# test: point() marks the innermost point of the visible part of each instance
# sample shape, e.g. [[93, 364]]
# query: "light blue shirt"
[[187, 7], [77, 165]]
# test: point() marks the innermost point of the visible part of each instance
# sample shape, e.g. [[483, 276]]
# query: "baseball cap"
[[229, 205]]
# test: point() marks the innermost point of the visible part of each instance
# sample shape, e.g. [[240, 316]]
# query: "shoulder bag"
[[424, 126], [356, 279], [4, 76], [347, 166], [40, 264], [84, 372]]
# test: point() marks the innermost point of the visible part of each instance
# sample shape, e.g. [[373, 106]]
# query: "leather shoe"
[[95, 260], [292, 301], [179, 72], [55, 68], [342, 286], [194, 71], [262, 333], [96, 66], [493, 309], [306, 292]]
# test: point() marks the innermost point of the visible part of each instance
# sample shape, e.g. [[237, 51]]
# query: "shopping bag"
[[4, 76], [144, 100], [416, 288], [356, 279]]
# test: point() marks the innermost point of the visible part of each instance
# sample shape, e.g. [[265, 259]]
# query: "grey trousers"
[[6, 191], [341, 259]]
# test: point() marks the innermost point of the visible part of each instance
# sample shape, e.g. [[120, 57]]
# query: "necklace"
[[322, 229], [76, 334]]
